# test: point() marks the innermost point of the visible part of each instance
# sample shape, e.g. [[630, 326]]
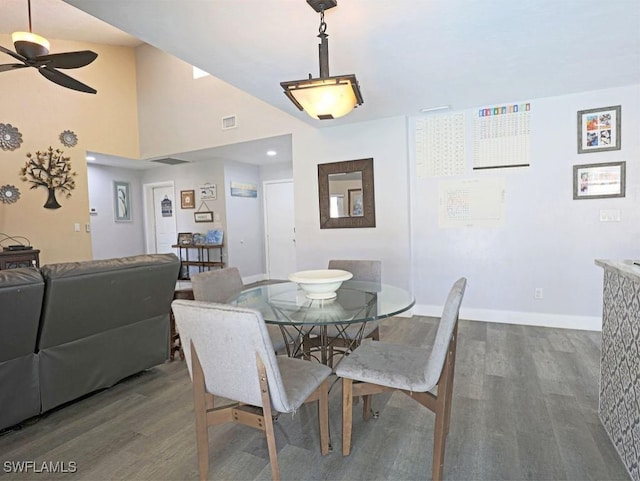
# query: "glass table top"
[[286, 304]]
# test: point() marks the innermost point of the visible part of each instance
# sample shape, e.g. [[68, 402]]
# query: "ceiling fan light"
[[325, 98], [29, 44]]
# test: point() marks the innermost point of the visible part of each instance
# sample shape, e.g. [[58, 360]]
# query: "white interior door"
[[279, 229], [164, 217]]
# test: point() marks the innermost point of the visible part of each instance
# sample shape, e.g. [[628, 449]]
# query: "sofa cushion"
[[21, 292], [86, 298]]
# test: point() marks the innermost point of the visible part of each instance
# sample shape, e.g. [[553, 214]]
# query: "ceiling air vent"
[[229, 122], [169, 161]]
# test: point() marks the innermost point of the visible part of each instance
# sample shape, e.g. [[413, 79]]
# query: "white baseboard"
[[584, 323]]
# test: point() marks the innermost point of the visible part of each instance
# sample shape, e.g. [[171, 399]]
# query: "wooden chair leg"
[[323, 417], [268, 420], [200, 408], [366, 407], [347, 414], [443, 414]]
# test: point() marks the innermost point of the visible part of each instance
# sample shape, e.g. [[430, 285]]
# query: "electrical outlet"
[[76, 227], [538, 293]]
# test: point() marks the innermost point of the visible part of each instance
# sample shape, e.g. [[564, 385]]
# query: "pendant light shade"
[[325, 97]]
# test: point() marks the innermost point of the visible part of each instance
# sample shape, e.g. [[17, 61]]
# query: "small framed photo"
[[188, 199], [121, 201], [203, 216], [355, 203], [598, 181], [599, 129], [185, 238]]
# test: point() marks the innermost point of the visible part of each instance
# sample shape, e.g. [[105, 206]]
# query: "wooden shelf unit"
[[203, 260], [19, 258]]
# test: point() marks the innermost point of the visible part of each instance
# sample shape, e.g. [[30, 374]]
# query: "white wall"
[[245, 223], [280, 171], [548, 239], [386, 142], [190, 176], [110, 238]]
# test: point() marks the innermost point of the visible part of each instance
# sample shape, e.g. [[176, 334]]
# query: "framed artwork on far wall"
[[599, 129], [355, 203], [203, 216], [598, 181], [121, 201], [188, 199], [185, 238]]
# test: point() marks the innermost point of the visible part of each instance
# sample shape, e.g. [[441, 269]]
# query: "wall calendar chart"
[[440, 141], [501, 136]]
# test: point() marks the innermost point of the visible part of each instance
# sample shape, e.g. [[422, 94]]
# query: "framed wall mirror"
[[346, 194]]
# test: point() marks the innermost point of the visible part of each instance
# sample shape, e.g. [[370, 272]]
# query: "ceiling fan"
[[33, 51]]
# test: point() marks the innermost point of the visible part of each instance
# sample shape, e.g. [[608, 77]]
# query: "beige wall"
[[180, 114], [41, 110]]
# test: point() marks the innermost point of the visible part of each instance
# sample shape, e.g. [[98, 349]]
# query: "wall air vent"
[[170, 161], [229, 122]]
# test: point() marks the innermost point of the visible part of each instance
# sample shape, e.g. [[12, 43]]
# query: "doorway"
[[280, 232], [160, 217]]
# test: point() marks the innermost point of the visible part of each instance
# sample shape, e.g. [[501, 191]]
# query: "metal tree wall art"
[[52, 170]]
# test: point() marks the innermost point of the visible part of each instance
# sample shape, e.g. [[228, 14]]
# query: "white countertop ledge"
[[624, 267]]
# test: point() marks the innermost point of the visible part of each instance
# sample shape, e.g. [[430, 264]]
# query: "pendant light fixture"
[[324, 97]]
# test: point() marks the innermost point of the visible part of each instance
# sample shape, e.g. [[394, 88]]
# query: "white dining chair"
[[222, 285], [229, 353], [376, 367]]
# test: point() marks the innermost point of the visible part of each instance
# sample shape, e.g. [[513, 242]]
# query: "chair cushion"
[[386, 364], [300, 377]]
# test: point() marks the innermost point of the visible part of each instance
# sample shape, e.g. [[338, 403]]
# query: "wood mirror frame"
[[368, 198]]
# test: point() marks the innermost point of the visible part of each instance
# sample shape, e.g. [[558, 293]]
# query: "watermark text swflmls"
[[40, 467]]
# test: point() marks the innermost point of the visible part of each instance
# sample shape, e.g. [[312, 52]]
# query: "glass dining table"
[[335, 325]]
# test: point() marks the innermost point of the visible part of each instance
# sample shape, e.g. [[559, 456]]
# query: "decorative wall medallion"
[[9, 194], [10, 137], [69, 138]]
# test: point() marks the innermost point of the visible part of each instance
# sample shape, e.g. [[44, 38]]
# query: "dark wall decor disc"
[[69, 138], [9, 194], [10, 137]]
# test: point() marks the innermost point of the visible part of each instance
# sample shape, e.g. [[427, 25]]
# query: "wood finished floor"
[[525, 407]]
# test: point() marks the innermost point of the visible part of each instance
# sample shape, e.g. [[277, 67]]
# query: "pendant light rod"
[[323, 47]]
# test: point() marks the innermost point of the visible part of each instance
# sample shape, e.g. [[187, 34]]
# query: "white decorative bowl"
[[320, 284]]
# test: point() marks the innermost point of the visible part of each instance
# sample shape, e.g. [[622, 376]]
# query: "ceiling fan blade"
[[67, 59], [13, 54], [11, 66], [64, 80]]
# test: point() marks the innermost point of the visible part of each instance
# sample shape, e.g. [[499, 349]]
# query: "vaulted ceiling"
[[406, 54]]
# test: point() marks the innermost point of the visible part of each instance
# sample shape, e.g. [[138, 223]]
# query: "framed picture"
[[599, 129], [597, 181], [355, 203], [185, 238], [203, 216], [121, 201], [208, 192], [188, 199]]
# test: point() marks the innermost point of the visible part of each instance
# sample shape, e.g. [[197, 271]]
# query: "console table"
[[19, 258], [619, 406], [203, 260]]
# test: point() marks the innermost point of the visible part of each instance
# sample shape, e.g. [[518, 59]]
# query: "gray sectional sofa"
[[69, 329]]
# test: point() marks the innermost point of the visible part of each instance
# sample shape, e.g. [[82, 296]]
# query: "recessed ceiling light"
[[90, 157], [271, 153], [434, 109]]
